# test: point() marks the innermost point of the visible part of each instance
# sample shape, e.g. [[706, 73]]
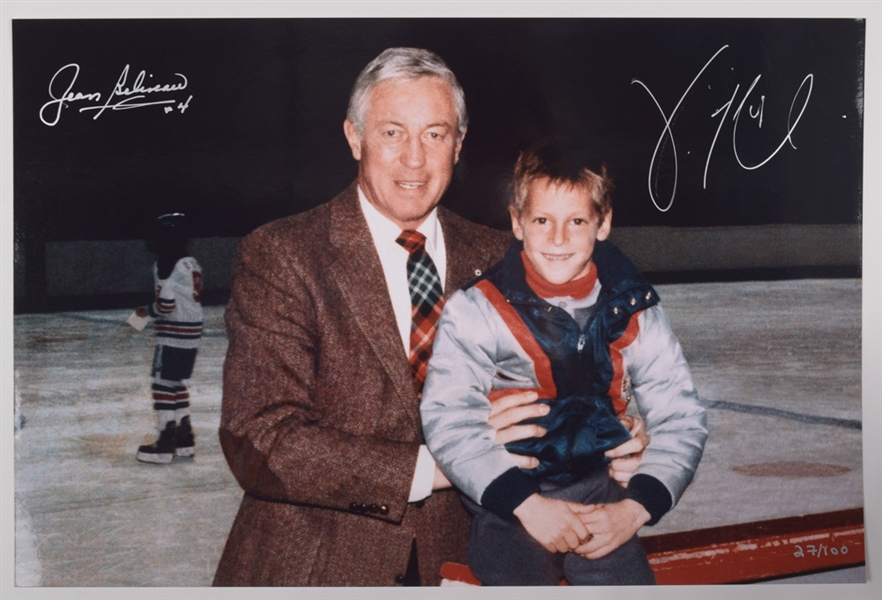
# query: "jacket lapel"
[[355, 268], [465, 258]]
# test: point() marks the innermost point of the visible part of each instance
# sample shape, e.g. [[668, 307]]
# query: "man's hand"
[[505, 414], [609, 526], [440, 482], [552, 523], [511, 409], [626, 458]]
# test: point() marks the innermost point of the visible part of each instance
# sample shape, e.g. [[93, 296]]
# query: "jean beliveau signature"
[[754, 112], [124, 96]]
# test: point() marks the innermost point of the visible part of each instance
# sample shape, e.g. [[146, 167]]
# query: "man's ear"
[[353, 138], [459, 145], [605, 227], [516, 224]]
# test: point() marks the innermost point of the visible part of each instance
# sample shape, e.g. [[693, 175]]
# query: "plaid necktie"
[[427, 300]]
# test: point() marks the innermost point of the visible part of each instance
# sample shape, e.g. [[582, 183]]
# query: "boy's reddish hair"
[[563, 167]]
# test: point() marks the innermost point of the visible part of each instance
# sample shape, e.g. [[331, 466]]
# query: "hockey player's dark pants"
[[173, 364]]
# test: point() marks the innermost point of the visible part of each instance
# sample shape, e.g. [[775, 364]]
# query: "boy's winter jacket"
[[496, 334]]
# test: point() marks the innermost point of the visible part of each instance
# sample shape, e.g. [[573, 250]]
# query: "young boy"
[[566, 314], [177, 314]]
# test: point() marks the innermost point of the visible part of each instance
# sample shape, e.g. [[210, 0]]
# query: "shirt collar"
[[386, 232]]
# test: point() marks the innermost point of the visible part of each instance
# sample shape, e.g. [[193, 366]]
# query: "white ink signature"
[[755, 113], [122, 97]]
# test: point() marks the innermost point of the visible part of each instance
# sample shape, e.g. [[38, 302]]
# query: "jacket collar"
[[615, 272], [354, 266], [352, 244], [355, 269], [467, 256]]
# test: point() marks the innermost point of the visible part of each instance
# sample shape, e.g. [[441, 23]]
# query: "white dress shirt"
[[393, 258]]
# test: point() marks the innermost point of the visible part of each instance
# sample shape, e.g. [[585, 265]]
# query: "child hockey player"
[[177, 314]]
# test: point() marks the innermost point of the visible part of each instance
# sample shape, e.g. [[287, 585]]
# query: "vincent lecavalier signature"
[[754, 112], [123, 96]]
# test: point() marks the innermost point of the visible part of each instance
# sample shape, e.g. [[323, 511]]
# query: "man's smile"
[[411, 185]]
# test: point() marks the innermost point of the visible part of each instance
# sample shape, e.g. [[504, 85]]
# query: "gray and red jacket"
[[497, 335]]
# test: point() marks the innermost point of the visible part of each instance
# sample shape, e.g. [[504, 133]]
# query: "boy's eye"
[[578, 221], [541, 220]]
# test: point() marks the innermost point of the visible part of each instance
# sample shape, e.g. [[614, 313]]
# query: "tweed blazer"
[[320, 422]]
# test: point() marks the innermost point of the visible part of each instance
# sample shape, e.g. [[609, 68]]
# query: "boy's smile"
[[559, 227]]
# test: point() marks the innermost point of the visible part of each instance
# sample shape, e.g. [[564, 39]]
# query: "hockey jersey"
[[177, 309]]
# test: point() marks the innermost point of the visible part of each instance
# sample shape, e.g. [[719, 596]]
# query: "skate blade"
[[157, 459]]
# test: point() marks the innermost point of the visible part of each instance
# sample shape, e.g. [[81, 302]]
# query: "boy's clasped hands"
[[590, 530]]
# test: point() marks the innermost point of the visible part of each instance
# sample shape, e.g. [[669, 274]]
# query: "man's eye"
[[390, 133], [434, 135]]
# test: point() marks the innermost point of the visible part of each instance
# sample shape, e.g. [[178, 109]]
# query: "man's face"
[[559, 227], [409, 147]]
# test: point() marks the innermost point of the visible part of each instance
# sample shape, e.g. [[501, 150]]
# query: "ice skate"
[[163, 449], [185, 443]]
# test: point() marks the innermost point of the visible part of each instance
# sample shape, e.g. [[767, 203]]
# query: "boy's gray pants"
[[503, 553]]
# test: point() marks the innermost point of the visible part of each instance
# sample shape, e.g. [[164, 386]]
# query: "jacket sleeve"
[[276, 432], [666, 397], [465, 366]]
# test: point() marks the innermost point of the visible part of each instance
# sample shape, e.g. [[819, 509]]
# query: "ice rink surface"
[[778, 365]]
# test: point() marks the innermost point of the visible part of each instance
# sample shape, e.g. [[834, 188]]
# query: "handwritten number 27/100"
[[820, 550], [667, 133]]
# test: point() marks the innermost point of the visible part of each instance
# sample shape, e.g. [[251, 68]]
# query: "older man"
[[330, 325]]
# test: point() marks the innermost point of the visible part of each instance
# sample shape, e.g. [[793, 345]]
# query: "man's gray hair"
[[405, 63]]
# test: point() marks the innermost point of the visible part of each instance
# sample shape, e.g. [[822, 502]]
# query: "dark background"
[[262, 135]]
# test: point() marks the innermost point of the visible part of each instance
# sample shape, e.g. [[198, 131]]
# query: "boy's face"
[[559, 228]]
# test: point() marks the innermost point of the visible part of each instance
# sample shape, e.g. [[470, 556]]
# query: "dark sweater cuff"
[[652, 494], [508, 491]]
